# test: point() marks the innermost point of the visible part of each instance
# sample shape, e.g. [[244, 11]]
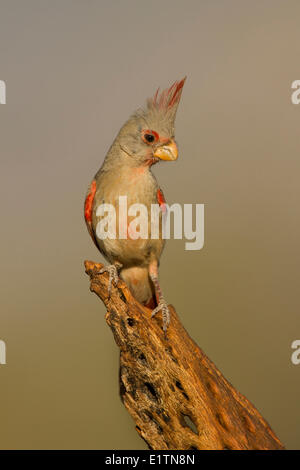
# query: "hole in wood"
[[165, 417], [142, 358], [130, 321], [180, 387], [151, 390], [188, 422]]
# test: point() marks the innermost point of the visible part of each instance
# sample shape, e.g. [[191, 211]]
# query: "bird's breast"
[[130, 194]]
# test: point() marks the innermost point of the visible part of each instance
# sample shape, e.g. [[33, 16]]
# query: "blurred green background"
[[74, 71]]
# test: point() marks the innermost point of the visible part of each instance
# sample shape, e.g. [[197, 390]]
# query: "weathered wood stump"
[[175, 394]]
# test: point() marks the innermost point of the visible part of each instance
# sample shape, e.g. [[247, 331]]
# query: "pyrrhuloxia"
[[146, 138]]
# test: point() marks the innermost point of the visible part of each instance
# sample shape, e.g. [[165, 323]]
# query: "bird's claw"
[[163, 307], [112, 270]]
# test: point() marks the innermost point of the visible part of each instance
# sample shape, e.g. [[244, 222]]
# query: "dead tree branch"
[[175, 394]]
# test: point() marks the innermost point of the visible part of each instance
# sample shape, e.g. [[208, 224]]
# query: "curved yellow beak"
[[167, 152]]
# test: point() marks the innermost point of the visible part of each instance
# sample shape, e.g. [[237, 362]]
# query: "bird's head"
[[148, 135]]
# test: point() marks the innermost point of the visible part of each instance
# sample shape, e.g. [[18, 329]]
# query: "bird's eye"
[[150, 136]]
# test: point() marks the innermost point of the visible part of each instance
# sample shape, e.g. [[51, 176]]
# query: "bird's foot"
[[163, 307], [112, 270]]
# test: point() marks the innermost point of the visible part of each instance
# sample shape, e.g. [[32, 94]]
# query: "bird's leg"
[[161, 303], [112, 270]]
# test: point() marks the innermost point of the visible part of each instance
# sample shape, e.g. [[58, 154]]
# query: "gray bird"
[[145, 139]]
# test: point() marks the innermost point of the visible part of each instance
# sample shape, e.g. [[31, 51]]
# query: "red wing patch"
[[88, 209], [161, 200], [88, 205]]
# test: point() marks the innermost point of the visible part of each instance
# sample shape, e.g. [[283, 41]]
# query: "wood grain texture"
[[175, 394]]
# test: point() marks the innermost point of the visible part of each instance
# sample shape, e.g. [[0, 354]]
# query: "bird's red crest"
[[168, 97]]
